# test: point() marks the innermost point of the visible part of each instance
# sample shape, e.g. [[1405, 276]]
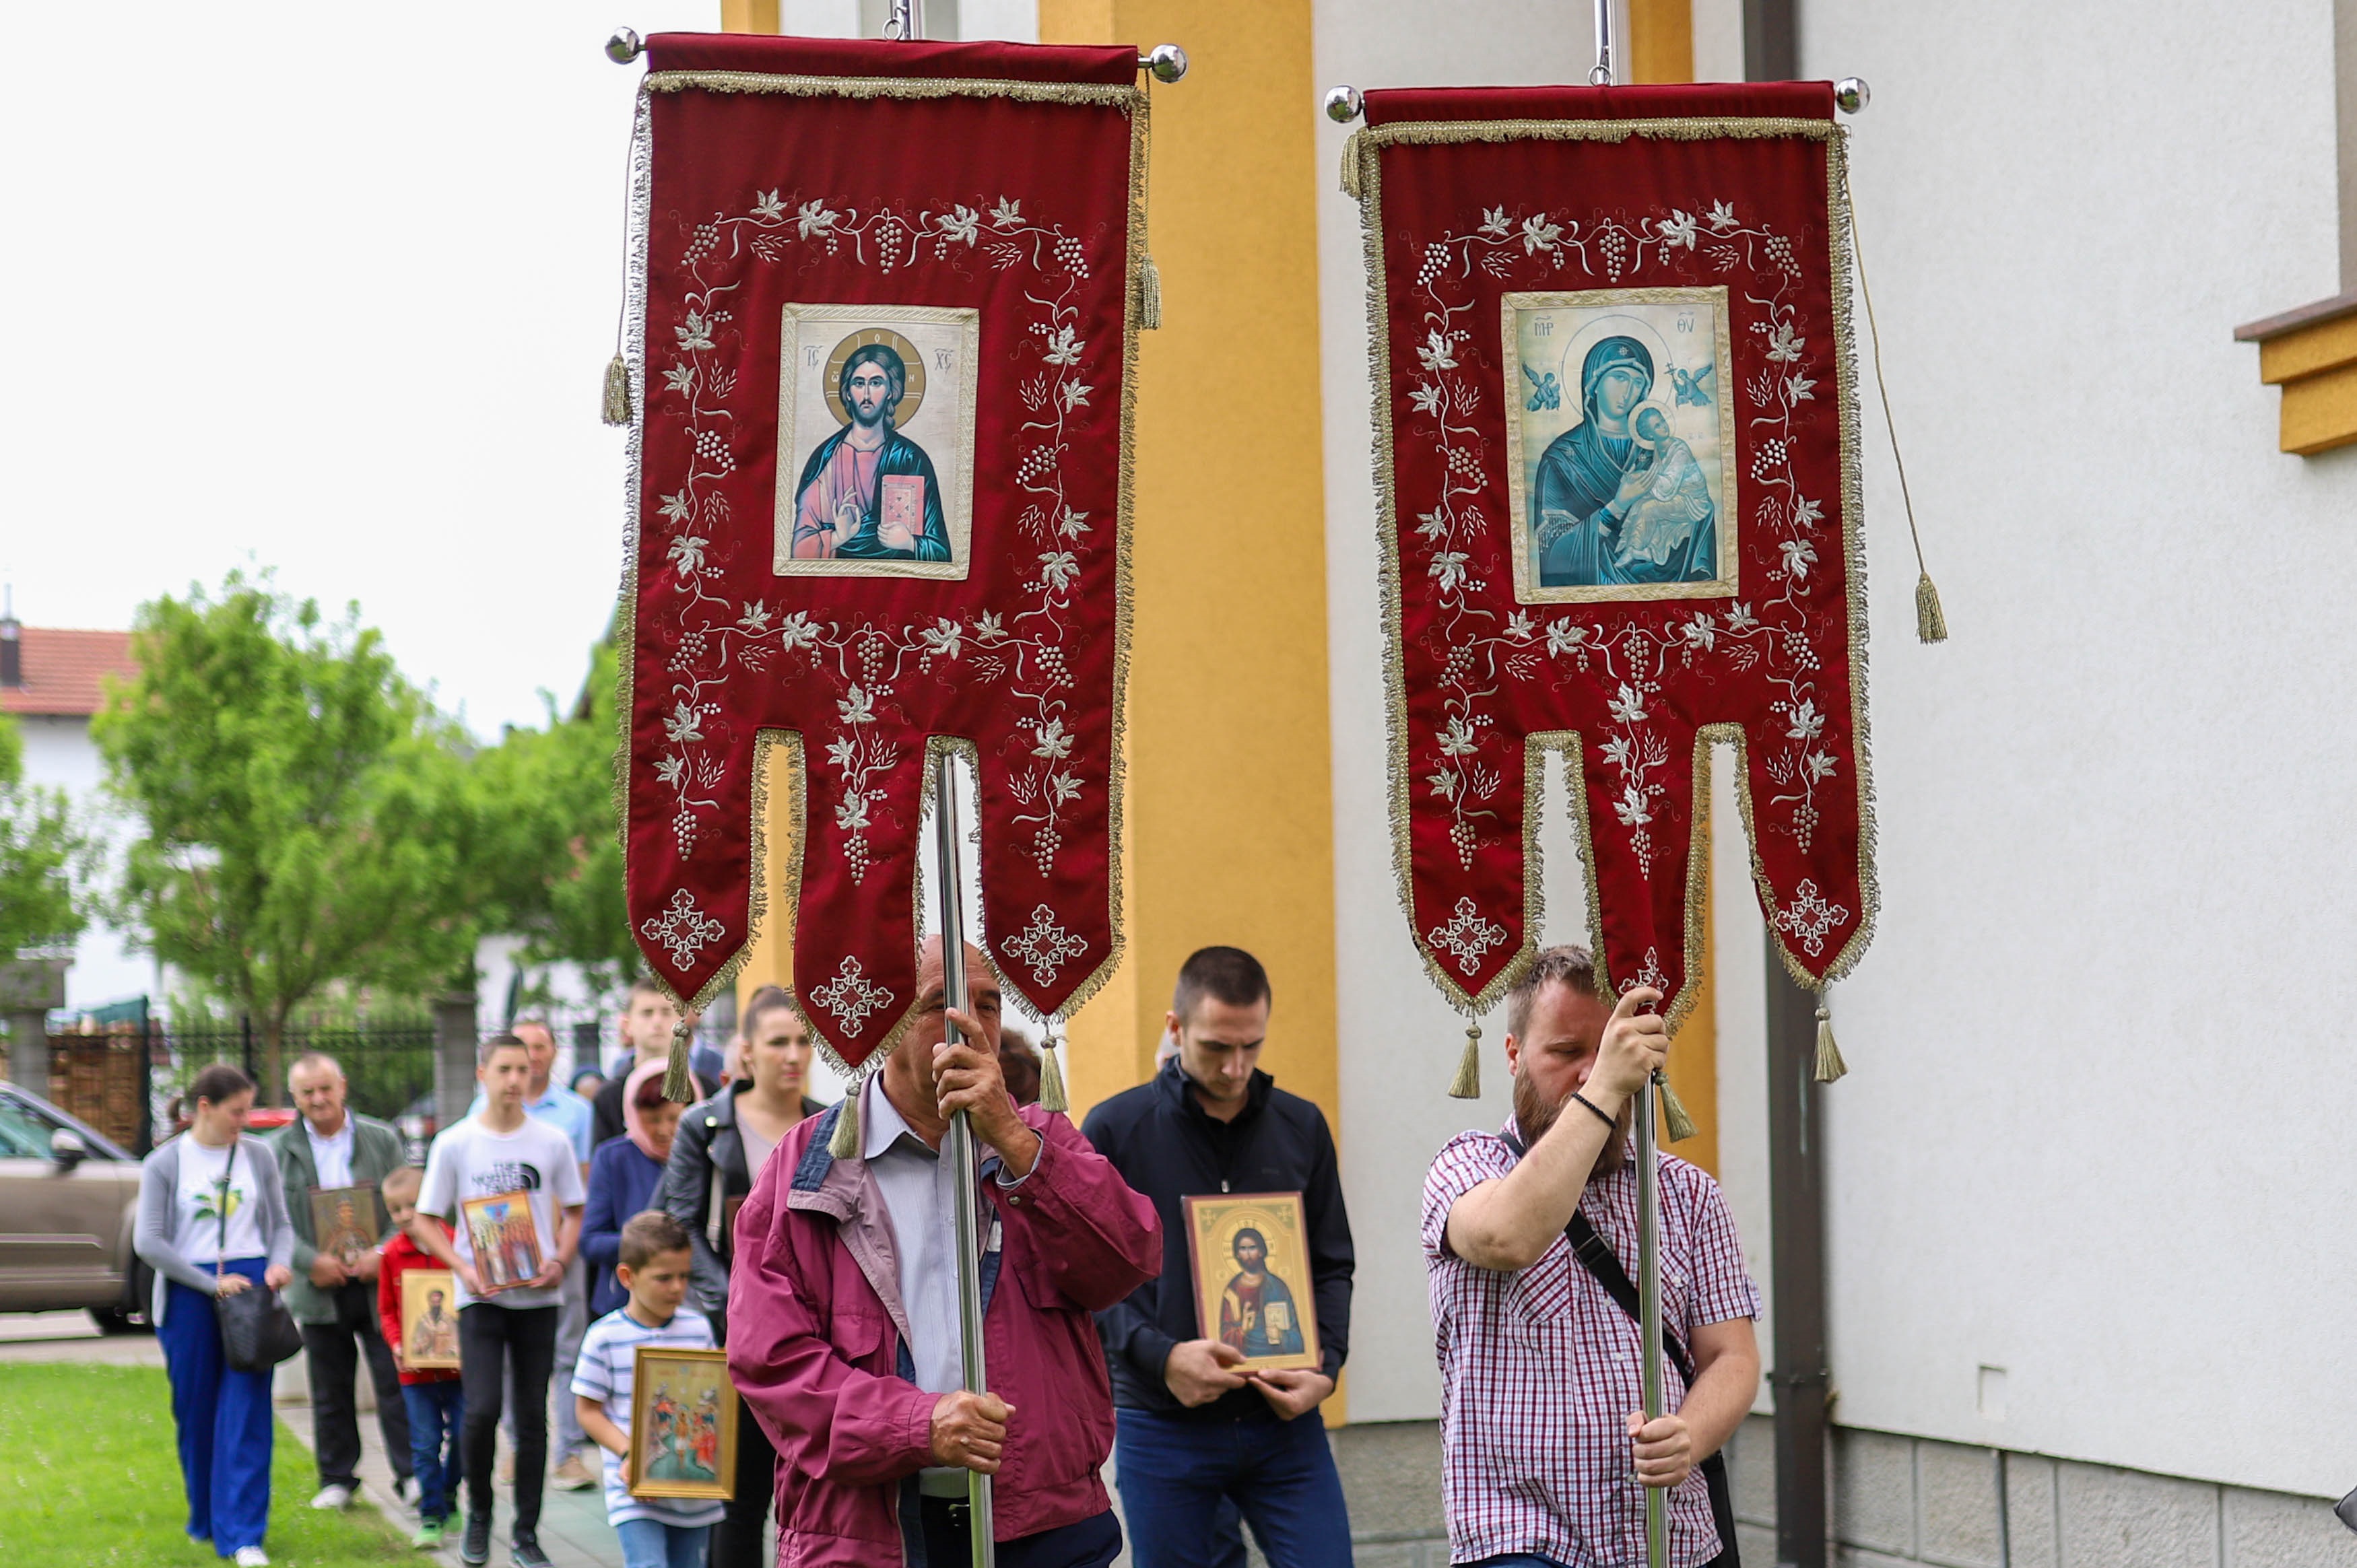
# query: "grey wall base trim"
[[1905, 1501]]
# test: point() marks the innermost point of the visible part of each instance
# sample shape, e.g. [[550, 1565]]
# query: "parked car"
[[70, 1196]]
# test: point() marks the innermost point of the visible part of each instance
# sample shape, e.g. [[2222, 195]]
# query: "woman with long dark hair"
[[213, 1223]]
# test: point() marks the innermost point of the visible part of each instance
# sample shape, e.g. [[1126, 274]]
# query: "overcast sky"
[[329, 289]]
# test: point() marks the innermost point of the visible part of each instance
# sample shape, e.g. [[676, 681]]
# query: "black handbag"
[[257, 1331]]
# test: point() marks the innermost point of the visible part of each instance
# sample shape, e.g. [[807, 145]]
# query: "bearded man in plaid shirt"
[[1547, 1449]]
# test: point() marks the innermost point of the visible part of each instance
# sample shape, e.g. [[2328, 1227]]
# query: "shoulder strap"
[[220, 1205], [1596, 1255]]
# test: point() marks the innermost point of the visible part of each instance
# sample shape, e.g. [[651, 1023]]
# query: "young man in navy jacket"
[[1195, 1424]]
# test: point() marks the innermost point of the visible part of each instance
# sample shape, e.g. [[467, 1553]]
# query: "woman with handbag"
[[214, 1225]]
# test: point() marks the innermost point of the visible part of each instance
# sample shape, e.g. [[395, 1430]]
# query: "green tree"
[[306, 806], [545, 856], [45, 858]]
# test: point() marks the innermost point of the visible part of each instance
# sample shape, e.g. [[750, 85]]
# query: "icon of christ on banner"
[[879, 421]]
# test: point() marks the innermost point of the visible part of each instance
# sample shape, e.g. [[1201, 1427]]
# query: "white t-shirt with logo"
[[471, 1161], [202, 1197]]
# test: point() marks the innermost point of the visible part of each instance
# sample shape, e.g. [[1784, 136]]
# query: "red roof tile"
[[65, 671]]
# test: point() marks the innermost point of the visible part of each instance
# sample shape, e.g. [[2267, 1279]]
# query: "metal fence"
[[389, 1067]]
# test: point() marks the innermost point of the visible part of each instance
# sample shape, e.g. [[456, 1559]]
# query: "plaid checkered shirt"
[[1539, 1367]]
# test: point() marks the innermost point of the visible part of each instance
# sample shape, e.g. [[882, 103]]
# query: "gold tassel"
[[1931, 624], [844, 1143], [1830, 1065], [1149, 294], [617, 391], [1051, 1074], [1673, 1111], [1467, 1085], [1351, 181], [679, 1084]]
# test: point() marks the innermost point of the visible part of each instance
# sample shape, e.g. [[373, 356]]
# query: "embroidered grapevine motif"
[[852, 996], [1025, 652], [682, 928], [1480, 654], [1467, 936], [1809, 919], [1045, 947]]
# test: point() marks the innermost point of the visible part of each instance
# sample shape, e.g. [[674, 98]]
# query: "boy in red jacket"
[[436, 1398]]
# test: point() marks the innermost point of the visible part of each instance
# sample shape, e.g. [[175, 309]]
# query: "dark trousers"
[[436, 1411], [334, 1350], [1174, 1471], [1091, 1543], [738, 1539], [490, 1339], [223, 1419]]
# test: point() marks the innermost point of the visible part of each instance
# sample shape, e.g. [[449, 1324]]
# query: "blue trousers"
[[650, 1543], [1280, 1475], [436, 1411], [223, 1419]]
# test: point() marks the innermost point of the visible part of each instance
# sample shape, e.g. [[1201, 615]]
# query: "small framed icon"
[[430, 1320], [506, 1242], [682, 1425], [1251, 1257]]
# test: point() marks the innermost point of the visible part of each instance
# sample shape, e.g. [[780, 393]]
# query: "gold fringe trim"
[[1467, 1085], [1830, 1065], [1673, 1111], [1149, 294], [1107, 94], [1352, 148]]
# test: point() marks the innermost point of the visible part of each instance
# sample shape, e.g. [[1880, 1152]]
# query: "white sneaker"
[[254, 1557], [329, 1498]]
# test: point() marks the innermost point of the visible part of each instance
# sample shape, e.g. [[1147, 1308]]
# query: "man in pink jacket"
[[843, 1313]]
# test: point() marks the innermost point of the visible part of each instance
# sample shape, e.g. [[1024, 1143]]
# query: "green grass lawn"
[[90, 1473]]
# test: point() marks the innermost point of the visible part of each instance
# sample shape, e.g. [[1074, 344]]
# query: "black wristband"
[[1596, 1109]]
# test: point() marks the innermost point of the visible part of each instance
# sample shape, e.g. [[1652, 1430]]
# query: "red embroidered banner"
[[882, 353], [1615, 431]]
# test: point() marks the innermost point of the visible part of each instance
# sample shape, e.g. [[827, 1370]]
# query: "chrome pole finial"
[[1851, 94], [624, 47], [1344, 104], [1166, 61]]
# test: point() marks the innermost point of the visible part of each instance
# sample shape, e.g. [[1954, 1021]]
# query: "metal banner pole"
[[958, 1147], [1649, 1309]]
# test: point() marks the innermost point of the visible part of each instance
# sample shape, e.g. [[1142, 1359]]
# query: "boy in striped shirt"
[[656, 1533]]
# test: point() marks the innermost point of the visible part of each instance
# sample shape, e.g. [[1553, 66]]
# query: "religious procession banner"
[[1616, 442], [879, 348]]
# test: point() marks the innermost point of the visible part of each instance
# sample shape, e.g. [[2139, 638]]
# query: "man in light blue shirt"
[[549, 1101]]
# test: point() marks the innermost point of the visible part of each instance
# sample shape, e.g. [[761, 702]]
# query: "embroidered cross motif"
[[1651, 974], [1045, 948], [682, 928], [1467, 936], [1809, 919], [852, 996]]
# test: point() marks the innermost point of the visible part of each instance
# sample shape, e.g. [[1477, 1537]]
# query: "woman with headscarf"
[[624, 1174], [1591, 475], [213, 1223]]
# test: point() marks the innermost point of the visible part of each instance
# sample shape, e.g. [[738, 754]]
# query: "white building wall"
[[58, 753], [2095, 1134], [2097, 1129]]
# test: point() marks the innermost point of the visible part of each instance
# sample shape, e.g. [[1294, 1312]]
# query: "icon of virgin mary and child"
[[1619, 499], [868, 492]]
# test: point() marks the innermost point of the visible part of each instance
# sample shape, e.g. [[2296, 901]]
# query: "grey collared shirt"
[[920, 1192]]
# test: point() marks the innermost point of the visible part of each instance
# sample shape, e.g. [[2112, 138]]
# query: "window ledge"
[[2312, 353]]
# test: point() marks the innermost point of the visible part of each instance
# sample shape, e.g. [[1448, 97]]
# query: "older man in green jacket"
[[333, 1295]]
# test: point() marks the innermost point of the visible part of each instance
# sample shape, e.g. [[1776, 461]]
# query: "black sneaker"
[[476, 1551], [523, 1550]]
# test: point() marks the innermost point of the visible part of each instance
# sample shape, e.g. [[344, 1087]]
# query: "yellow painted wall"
[[1229, 810]]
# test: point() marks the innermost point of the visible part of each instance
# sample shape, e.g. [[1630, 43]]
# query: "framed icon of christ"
[[876, 440]]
